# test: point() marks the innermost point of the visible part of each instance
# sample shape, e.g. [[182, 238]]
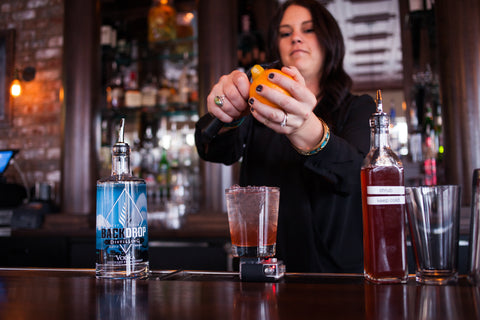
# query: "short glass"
[[434, 218], [252, 218]]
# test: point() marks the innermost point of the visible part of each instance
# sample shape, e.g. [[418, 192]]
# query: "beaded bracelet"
[[323, 142], [234, 123]]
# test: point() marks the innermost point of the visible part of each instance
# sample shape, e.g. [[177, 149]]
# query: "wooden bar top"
[[175, 294]]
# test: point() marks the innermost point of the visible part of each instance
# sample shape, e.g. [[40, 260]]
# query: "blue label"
[[122, 231]]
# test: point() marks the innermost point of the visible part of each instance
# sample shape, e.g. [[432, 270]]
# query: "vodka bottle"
[[383, 200], [122, 232]]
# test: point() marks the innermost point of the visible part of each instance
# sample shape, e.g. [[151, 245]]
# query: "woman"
[[312, 147]]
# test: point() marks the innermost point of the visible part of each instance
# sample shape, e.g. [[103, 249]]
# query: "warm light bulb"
[[188, 17], [16, 88]]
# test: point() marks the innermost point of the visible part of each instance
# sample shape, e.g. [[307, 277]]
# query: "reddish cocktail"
[[252, 217]]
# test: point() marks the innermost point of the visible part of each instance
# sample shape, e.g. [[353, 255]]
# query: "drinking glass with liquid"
[[252, 218]]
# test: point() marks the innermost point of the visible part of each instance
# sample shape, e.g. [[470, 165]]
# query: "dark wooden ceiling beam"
[[371, 18], [365, 1], [371, 36], [370, 51], [369, 63]]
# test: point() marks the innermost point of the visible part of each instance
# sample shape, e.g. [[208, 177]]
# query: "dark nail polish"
[[252, 110], [259, 88], [271, 75], [251, 100]]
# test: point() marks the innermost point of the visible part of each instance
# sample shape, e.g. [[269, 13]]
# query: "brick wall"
[[36, 114]]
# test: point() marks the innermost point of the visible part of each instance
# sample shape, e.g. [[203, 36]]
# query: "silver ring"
[[219, 100], [284, 121]]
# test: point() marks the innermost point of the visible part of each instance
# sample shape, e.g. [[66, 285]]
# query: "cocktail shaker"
[[474, 256]]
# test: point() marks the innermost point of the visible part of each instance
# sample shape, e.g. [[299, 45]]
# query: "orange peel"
[[260, 77]]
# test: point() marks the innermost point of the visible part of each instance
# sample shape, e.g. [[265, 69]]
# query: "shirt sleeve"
[[226, 148]]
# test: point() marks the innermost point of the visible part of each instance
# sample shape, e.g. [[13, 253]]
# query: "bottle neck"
[[379, 126], [379, 138], [120, 159]]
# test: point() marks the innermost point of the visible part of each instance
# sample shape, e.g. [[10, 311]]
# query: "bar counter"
[[177, 294]]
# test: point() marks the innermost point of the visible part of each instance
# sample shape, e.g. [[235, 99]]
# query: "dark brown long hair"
[[335, 83]]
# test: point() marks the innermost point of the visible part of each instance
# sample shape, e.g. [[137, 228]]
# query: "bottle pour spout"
[[379, 119], [121, 131], [379, 101]]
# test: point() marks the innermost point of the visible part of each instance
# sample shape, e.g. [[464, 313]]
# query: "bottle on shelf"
[[184, 22], [439, 133], [162, 22], [115, 91], [149, 92], [185, 33], [180, 190], [108, 36], [164, 176], [394, 134], [149, 164], [429, 149], [123, 52], [133, 97], [183, 87], [428, 124], [429, 162], [414, 135], [175, 146], [136, 157], [121, 223], [164, 94], [193, 83], [383, 201]]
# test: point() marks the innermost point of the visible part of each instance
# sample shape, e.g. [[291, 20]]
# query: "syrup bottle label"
[[385, 195]]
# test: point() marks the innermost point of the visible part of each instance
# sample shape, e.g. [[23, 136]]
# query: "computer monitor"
[[11, 194], [5, 157]]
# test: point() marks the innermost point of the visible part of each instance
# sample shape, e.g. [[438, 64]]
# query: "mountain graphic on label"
[[124, 213]]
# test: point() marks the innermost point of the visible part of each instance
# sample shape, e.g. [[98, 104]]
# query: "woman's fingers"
[[227, 100], [293, 110], [295, 87], [274, 118]]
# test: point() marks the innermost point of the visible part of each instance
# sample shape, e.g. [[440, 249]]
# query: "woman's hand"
[[294, 117], [232, 89]]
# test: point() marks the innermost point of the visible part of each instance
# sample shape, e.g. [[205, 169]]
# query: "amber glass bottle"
[[161, 22], [383, 198]]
